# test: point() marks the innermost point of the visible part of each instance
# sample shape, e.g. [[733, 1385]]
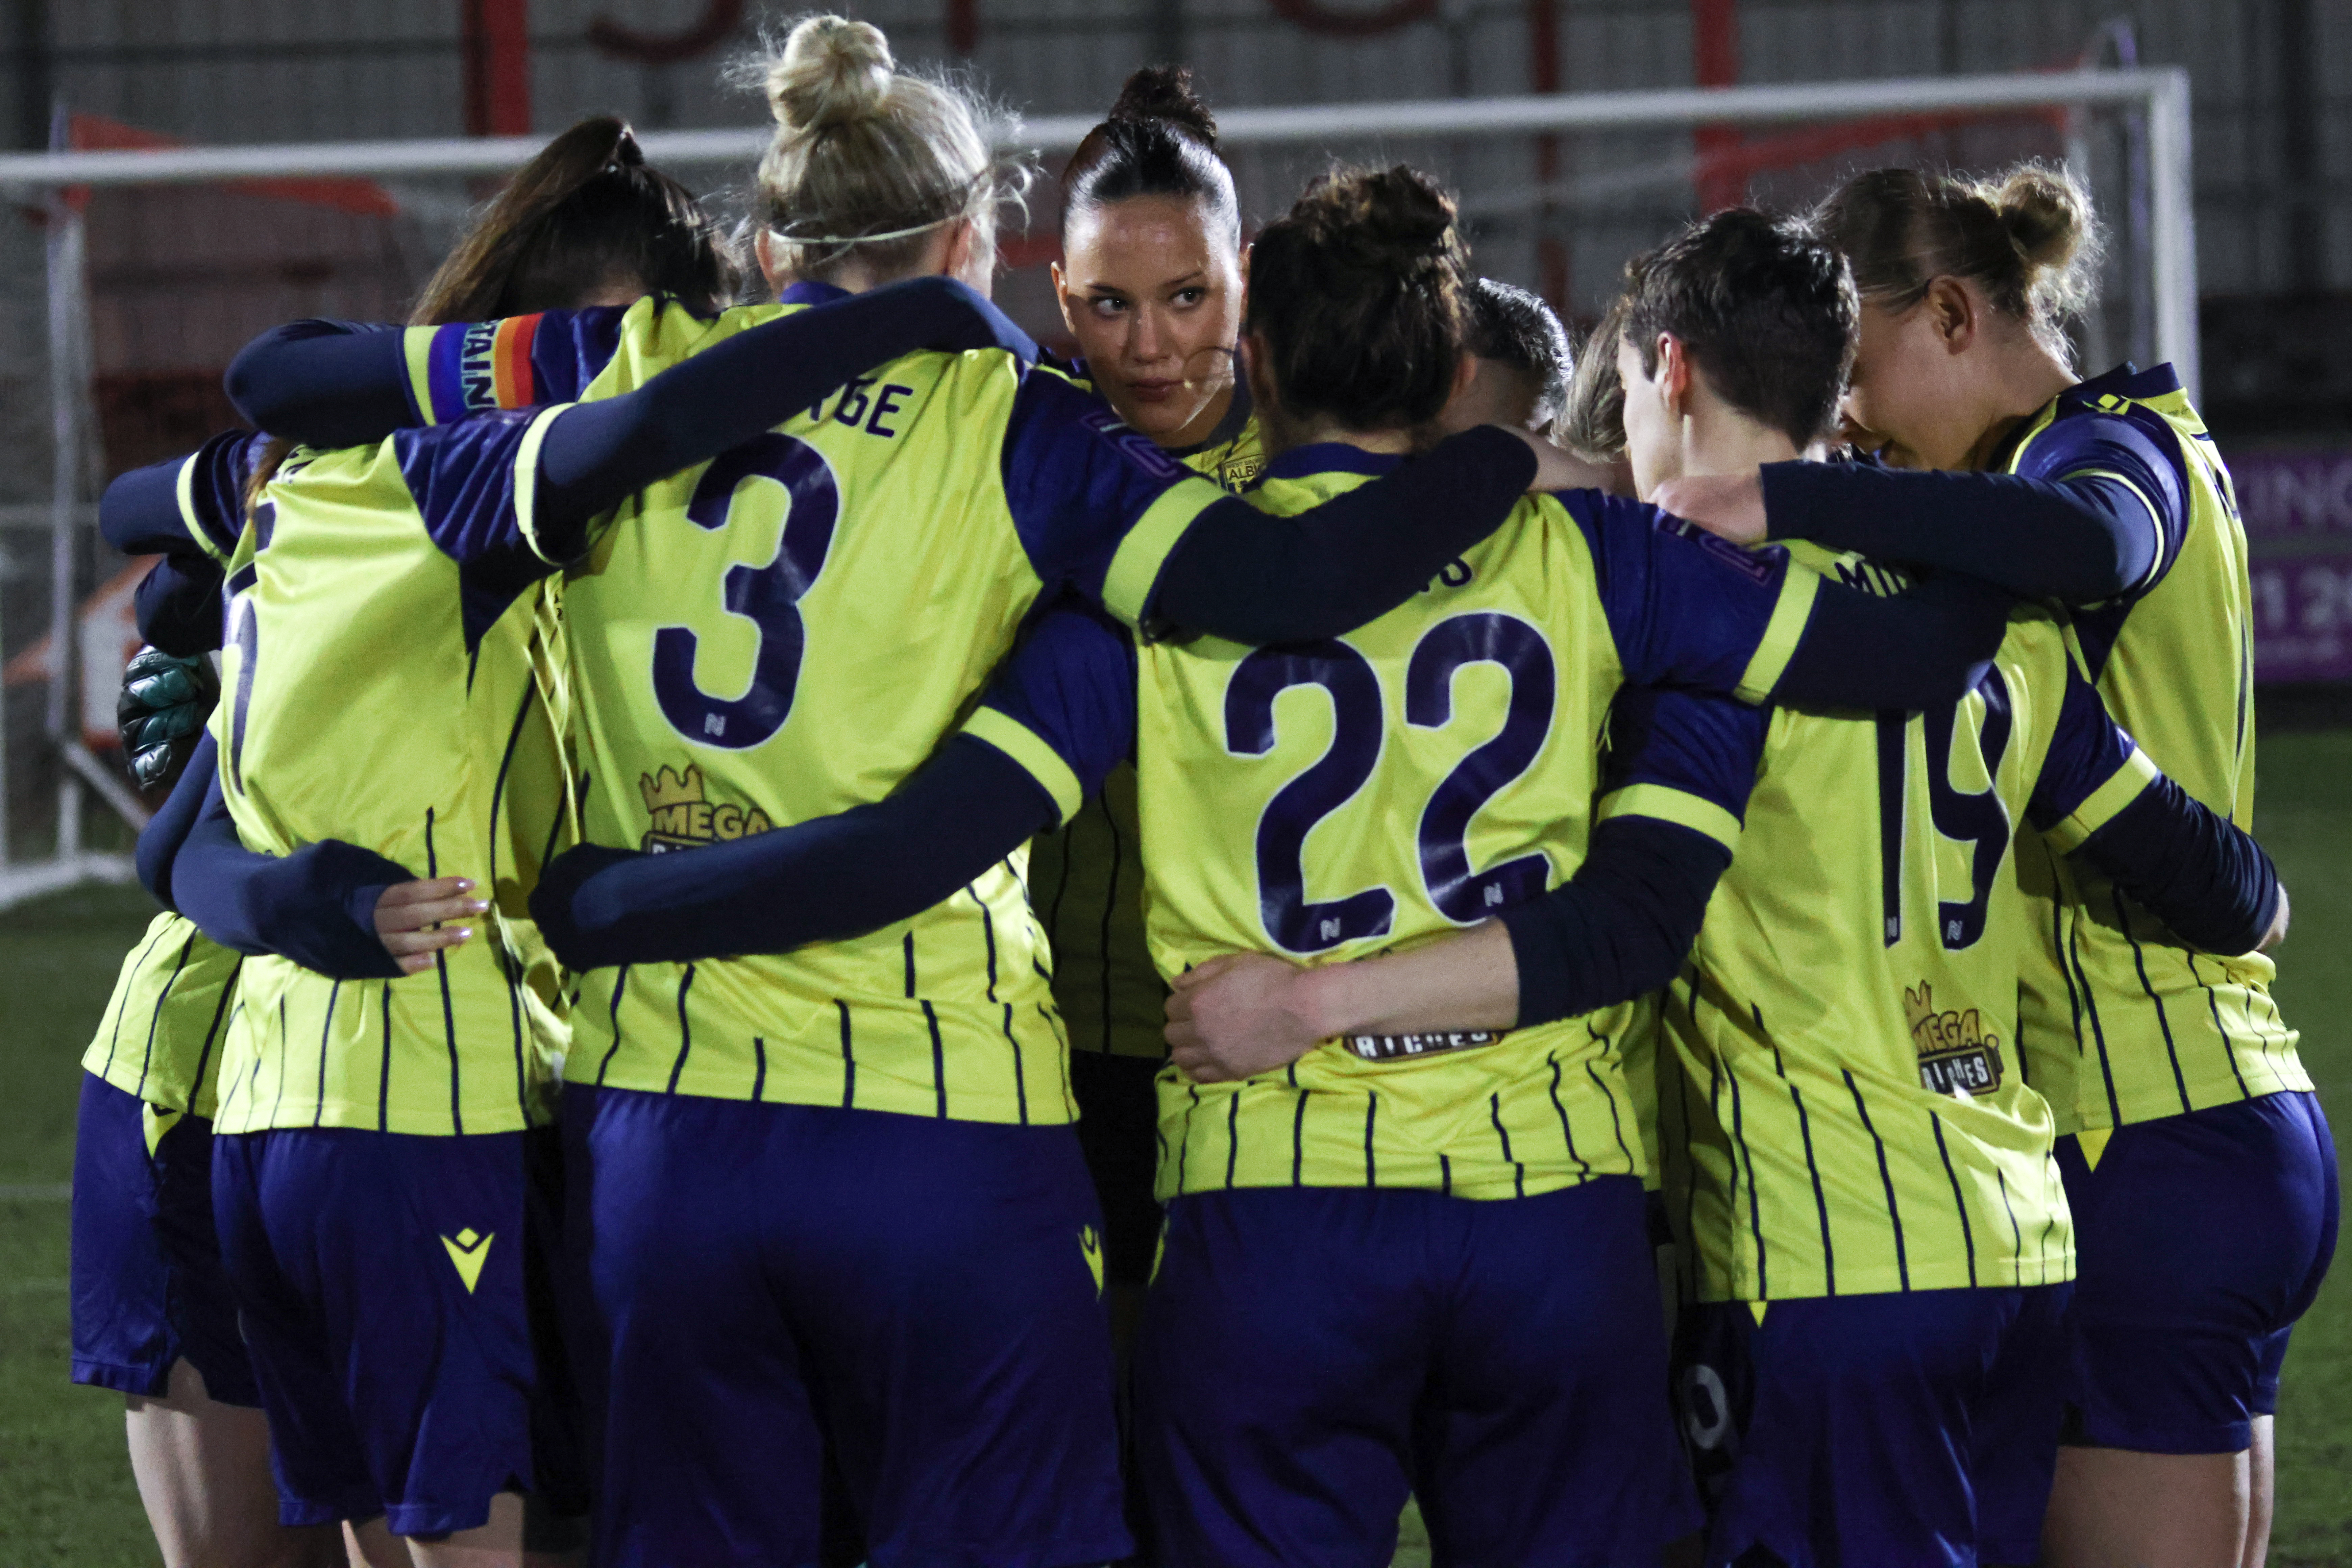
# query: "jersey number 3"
[[768, 596]]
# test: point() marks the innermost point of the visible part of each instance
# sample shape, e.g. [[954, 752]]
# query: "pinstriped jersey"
[[160, 1037], [1331, 800], [1087, 877], [391, 679], [1845, 1109], [2121, 1023], [789, 632]]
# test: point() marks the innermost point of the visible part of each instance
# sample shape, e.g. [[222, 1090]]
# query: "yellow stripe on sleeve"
[[416, 347], [185, 488], [526, 487], [1037, 759], [2128, 783], [1778, 644], [1134, 569], [1678, 806]]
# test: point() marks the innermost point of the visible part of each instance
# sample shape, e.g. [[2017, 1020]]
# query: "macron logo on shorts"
[[469, 1251], [1090, 1244]]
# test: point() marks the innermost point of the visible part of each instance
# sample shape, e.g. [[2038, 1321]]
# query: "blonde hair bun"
[[832, 72], [2047, 214]]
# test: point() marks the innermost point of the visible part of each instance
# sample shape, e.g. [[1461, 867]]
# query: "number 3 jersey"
[[1334, 800], [1842, 1105], [789, 632]]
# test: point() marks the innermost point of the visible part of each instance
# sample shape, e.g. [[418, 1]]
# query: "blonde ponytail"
[[867, 160]]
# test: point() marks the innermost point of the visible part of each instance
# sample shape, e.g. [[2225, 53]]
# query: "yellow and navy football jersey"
[[160, 1037], [393, 679], [790, 631], [1087, 877], [1845, 1109], [1333, 800], [2121, 1023]]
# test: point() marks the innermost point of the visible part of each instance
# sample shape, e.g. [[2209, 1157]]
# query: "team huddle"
[[801, 932]]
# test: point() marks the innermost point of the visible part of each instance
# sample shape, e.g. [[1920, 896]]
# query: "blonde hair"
[[867, 161], [2027, 237]]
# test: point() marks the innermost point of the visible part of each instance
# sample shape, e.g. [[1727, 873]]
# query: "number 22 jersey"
[[1334, 800]]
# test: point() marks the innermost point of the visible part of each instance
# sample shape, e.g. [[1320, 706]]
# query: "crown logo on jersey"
[[1957, 1056], [683, 815]]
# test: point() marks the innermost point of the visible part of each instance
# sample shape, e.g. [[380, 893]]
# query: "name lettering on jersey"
[[860, 410], [1455, 573], [1758, 564], [1882, 582], [1136, 446], [1956, 1056], [1404, 1047], [683, 817]]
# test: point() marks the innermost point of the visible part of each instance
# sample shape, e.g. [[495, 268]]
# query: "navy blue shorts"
[[926, 1295], [1913, 1429], [148, 1288], [1309, 1355], [397, 1293], [2200, 1239]]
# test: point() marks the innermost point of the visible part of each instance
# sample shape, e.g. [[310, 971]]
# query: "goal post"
[[155, 261]]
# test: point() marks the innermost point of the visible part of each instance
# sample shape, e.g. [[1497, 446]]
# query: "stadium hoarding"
[[2297, 506]]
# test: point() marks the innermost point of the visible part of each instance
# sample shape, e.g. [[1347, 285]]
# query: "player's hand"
[[161, 713], [1557, 468], [1238, 1016], [412, 918], [1728, 505], [2278, 933]]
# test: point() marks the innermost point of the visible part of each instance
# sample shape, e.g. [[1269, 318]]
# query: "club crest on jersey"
[[1956, 1054], [1237, 473], [1135, 446], [683, 817]]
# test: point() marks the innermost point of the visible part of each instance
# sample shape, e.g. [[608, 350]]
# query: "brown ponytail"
[[585, 214], [2027, 239], [1359, 293]]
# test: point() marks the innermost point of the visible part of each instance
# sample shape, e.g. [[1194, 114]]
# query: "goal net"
[[131, 269]]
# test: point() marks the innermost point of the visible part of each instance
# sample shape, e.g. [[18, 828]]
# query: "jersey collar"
[[812, 293], [1330, 457], [2127, 380]]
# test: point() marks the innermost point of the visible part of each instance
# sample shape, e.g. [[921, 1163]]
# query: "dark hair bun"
[[626, 150], [1394, 221], [1165, 93]]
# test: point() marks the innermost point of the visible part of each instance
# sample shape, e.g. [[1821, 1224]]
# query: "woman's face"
[[1151, 288], [1912, 399]]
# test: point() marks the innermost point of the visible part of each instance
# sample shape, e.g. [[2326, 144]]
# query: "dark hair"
[[2027, 238], [1764, 309], [1593, 424], [1361, 294], [586, 211], [1509, 326], [1158, 140]]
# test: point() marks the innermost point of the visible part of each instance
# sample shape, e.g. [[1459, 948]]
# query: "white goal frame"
[[2156, 100]]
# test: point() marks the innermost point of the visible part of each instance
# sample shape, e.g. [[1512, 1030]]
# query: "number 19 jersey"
[[1842, 1106]]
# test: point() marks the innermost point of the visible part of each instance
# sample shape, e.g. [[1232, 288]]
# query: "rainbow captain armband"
[[471, 367], [1408, 1047]]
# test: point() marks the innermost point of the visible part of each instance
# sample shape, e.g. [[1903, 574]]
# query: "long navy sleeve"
[[1621, 926], [1242, 574], [332, 384], [2199, 873], [2097, 507], [1945, 631], [823, 881], [316, 906], [167, 830]]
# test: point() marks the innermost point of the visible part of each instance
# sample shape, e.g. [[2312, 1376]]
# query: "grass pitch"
[[66, 1495]]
